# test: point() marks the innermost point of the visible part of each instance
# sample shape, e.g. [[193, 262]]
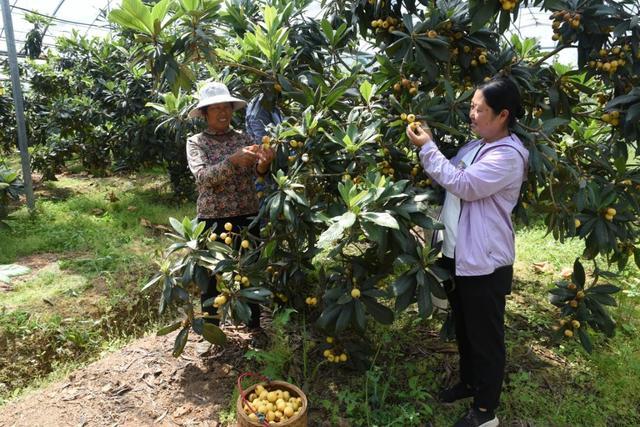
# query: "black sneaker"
[[457, 392], [477, 418]]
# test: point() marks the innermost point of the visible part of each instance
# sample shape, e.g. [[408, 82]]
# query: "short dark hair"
[[501, 93]]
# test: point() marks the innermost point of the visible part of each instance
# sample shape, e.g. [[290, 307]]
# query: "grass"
[[48, 284], [94, 243], [98, 254]]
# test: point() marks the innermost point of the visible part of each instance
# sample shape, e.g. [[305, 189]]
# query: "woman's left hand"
[[265, 157], [419, 135]]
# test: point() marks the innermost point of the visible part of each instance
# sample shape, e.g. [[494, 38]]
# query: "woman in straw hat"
[[225, 163]]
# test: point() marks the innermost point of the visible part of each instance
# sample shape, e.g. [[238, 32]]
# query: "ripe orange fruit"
[[568, 333], [219, 300]]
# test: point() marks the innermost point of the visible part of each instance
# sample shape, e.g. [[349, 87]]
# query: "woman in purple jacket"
[[483, 184]]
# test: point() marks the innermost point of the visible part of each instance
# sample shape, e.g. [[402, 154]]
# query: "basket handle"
[[242, 376]]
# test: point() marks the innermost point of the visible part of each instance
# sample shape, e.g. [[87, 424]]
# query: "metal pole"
[[17, 100]]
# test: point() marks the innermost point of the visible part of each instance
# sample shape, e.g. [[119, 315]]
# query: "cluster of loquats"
[[408, 85], [508, 5], [479, 57], [537, 112], [220, 300], [389, 24], [609, 213], [332, 355], [610, 60], [273, 406], [579, 295], [569, 326], [613, 118], [386, 168], [562, 18], [411, 120], [240, 280], [312, 301], [415, 170], [226, 237]]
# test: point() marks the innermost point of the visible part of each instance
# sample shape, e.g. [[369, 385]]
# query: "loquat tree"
[[345, 213]]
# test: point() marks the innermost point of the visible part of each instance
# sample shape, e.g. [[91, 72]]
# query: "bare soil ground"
[[140, 385]]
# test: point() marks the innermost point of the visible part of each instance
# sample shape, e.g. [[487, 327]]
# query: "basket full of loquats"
[[272, 403]]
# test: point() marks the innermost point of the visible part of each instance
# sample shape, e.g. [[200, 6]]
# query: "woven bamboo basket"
[[298, 420]]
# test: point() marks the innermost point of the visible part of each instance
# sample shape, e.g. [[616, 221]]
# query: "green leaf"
[[181, 341], [168, 329], [257, 294], [378, 311], [605, 299], [578, 275], [425, 305], [328, 316], [481, 12], [335, 231], [549, 126], [344, 318], [360, 318], [177, 226], [155, 279], [382, 218], [159, 10], [213, 334], [367, 90], [141, 12], [327, 29], [241, 311], [128, 21], [403, 283], [604, 289], [585, 340]]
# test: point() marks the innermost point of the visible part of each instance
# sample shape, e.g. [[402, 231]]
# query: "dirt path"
[[140, 385]]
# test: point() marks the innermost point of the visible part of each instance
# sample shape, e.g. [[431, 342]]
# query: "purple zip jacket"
[[488, 190]]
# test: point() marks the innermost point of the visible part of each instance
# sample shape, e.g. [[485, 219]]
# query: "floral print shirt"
[[224, 190]]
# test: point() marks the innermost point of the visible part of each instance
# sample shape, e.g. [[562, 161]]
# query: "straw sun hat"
[[215, 93]]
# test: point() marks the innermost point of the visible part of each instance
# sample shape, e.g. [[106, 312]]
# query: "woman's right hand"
[[245, 157], [419, 134]]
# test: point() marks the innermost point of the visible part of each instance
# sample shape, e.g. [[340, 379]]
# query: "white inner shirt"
[[450, 214]]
